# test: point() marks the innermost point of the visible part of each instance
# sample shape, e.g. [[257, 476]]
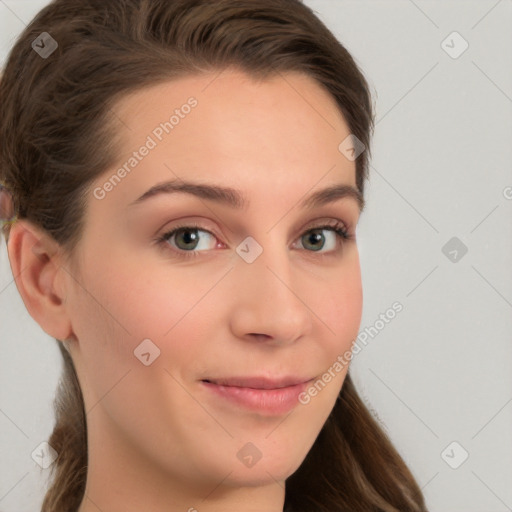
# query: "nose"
[[269, 302]]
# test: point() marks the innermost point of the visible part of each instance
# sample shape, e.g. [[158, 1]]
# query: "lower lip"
[[270, 401]]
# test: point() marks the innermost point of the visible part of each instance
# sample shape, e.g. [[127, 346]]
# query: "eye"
[[187, 241], [316, 240]]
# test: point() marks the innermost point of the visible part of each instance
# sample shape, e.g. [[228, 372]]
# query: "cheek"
[[339, 303], [155, 301], [176, 313], [348, 304], [138, 301]]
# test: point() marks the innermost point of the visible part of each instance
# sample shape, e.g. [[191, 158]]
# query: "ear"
[[35, 263]]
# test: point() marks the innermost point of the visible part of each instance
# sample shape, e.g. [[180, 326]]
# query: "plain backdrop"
[[435, 236]]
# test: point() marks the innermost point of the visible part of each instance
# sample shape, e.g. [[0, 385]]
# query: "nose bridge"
[[269, 272], [267, 301]]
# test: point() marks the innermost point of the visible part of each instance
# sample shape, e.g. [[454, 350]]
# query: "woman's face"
[[264, 291]]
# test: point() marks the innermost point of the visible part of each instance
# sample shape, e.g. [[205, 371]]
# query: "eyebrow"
[[235, 199]]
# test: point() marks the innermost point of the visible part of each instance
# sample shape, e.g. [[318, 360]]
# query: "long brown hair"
[[57, 135]]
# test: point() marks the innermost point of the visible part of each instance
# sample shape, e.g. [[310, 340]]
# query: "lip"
[[260, 394]]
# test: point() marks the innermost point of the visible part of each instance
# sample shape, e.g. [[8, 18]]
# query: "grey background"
[[438, 372]]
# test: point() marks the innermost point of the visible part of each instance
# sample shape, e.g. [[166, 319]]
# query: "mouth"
[[270, 397], [258, 382]]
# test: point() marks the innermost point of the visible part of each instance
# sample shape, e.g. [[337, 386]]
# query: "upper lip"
[[258, 382]]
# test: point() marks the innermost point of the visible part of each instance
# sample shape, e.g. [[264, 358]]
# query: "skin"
[[157, 439]]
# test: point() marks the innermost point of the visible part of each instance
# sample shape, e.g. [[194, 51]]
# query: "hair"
[[58, 134]]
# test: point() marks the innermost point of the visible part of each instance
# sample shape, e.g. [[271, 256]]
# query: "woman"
[[183, 181]]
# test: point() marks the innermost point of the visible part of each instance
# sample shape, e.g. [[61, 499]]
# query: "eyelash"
[[336, 226]]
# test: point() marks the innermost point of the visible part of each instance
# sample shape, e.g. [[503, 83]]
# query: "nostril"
[[259, 335]]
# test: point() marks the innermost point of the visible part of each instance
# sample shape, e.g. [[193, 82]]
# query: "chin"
[[260, 476], [269, 469]]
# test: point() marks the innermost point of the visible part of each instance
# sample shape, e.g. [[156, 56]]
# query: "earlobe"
[[35, 263]]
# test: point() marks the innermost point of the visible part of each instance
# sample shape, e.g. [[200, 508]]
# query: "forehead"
[[233, 110], [229, 128]]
